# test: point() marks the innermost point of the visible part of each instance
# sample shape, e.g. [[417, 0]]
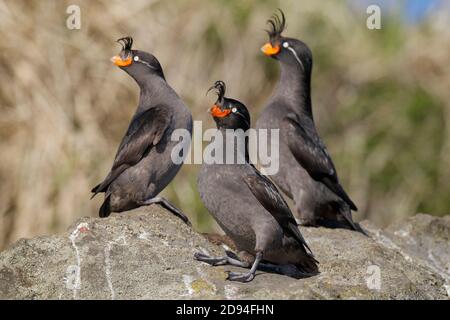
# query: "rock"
[[423, 239], [147, 254]]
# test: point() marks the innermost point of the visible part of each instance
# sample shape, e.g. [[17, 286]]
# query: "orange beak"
[[216, 112], [269, 50], [118, 61]]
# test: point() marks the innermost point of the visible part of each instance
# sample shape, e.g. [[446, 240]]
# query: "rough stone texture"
[[147, 254]]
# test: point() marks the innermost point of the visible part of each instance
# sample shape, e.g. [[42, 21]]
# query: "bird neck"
[[151, 90], [295, 88], [235, 144]]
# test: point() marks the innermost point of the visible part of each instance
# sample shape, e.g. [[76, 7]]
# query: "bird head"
[[287, 50], [228, 113], [135, 62]]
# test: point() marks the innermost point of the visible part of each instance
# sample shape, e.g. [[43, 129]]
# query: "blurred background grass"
[[381, 97]]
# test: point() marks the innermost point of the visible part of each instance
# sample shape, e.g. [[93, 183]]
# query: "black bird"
[[143, 166], [248, 206], [306, 173]]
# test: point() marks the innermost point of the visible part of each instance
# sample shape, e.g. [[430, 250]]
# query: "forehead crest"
[[126, 43], [277, 25]]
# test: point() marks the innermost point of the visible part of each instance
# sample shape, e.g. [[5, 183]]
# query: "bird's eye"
[[234, 110], [286, 44], [136, 58]]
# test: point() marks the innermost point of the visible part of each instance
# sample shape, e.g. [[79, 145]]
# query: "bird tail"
[[308, 265], [337, 189], [95, 190], [345, 211], [103, 187], [295, 232], [105, 209]]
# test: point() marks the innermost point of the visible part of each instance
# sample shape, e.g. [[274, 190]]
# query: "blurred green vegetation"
[[380, 99]]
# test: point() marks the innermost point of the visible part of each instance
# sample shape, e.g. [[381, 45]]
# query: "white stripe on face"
[[137, 59], [296, 57]]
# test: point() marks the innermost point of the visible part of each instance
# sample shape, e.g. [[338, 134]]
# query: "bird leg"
[[229, 258], [167, 205], [247, 276]]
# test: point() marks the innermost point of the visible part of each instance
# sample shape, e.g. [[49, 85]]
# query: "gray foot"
[[247, 276], [241, 277], [220, 261], [231, 259], [167, 205]]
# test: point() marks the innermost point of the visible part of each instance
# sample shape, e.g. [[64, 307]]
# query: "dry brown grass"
[[64, 106]]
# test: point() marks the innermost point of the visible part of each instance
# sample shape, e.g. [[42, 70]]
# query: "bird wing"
[[313, 157], [145, 131], [270, 198]]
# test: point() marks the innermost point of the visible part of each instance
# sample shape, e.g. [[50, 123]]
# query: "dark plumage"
[[143, 166], [249, 208], [307, 173]]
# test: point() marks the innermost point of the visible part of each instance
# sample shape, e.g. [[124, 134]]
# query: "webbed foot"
[[241, 277]]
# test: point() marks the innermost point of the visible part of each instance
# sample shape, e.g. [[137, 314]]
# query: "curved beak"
[[216, 112], [270, 50], [118, 61]]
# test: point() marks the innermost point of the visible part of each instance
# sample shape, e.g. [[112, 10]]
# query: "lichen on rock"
[[147, 253]]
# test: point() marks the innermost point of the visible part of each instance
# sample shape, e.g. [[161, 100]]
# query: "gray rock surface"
[[147, 254]]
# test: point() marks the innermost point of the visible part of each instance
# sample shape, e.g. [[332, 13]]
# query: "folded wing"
[[270, 198], [145, 132], [313, 157]]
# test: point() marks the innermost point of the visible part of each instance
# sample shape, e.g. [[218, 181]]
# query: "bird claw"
[[240, 277], [199, 256]]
